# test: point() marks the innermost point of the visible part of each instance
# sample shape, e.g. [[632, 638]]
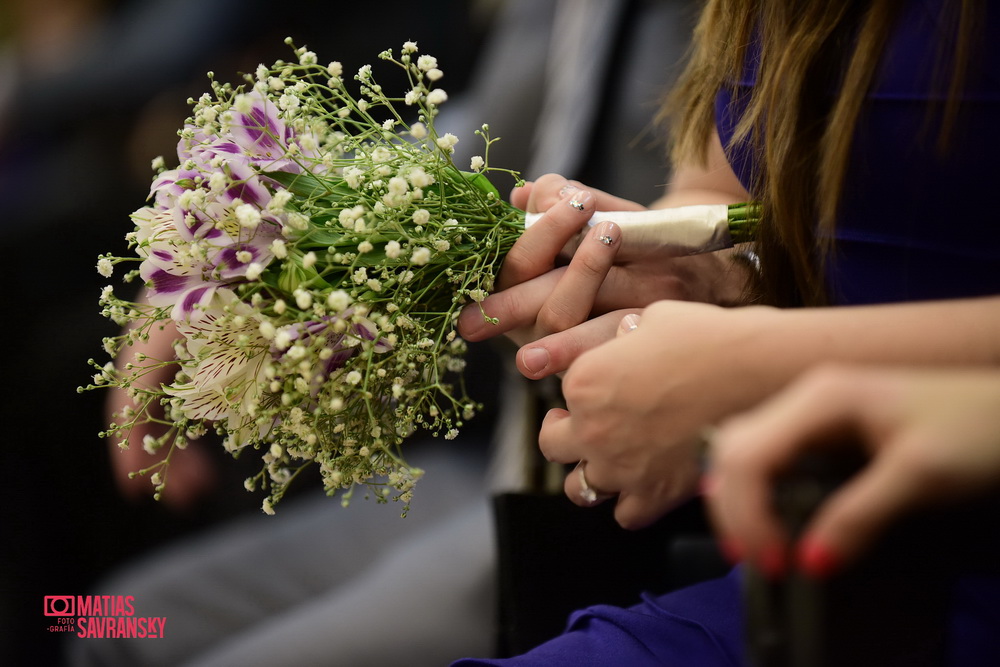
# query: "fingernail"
[[732, 550], [607, 233], [816, 559], [535, 359], [566, 190], [772, 562], [579, 200], [629, 322]]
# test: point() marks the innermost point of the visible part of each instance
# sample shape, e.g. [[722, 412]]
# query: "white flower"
[[398, 186], [105, 267], [335, 69], [218, 181], [434, 74], [248, 216], [254, 270], [282, 339], [418, 131], [392, 249], [279, 200], [353, 176], [419, 178], [296, 220], [409, 47], [278, 248], [243, 103], [420, 256], [309, 260], [436, 97], [447, 142], [338, 300], [303, 299], [426, 63], [354, 377], [477, 163], [365, 247], [421, 216]]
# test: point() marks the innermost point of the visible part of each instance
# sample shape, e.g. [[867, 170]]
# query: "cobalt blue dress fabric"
[[914, 224]]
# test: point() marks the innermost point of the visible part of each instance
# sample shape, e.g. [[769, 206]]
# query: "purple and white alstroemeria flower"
[[257, 136], [197, 239], [227, 355]]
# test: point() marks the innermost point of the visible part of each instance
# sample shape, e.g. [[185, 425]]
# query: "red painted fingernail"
[[732, 549], [816, 559], [772, 562]]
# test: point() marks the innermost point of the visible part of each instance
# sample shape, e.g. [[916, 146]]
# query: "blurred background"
[[90, 92]]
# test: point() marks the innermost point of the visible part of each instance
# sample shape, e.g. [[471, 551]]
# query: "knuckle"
[[591, 265], [557, 315]]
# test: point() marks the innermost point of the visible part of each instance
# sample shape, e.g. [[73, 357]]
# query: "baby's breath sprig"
[[311, 250]]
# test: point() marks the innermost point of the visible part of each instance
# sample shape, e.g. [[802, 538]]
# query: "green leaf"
[[310, 186], [481, 183]]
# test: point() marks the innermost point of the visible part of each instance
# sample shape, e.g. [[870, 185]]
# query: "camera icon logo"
[[60, 605]]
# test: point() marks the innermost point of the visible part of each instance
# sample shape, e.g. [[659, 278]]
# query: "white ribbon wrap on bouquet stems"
[[679, 231]]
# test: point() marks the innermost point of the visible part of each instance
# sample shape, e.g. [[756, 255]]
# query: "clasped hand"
[[635, 405]]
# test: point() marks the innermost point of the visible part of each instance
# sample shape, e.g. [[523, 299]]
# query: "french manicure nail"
[[629, 322], [535, 359]]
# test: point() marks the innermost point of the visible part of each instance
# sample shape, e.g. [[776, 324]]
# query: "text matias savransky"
[[113, 617]]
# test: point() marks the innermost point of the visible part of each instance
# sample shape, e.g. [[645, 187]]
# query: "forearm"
[[711, 183], [931, 333]]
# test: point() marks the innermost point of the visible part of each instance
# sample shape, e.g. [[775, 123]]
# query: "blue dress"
[[914, 224]]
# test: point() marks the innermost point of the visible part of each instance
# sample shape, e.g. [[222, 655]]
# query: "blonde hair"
[[801, 134]]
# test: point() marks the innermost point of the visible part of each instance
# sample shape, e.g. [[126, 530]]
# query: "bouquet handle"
[[679, 231]]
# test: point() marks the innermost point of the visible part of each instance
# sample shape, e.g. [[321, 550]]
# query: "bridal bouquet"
[[311, 249]]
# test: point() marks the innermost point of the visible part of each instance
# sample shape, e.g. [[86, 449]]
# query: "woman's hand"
[[638, 404], [539, 296], [191, 472], [932, 437]]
